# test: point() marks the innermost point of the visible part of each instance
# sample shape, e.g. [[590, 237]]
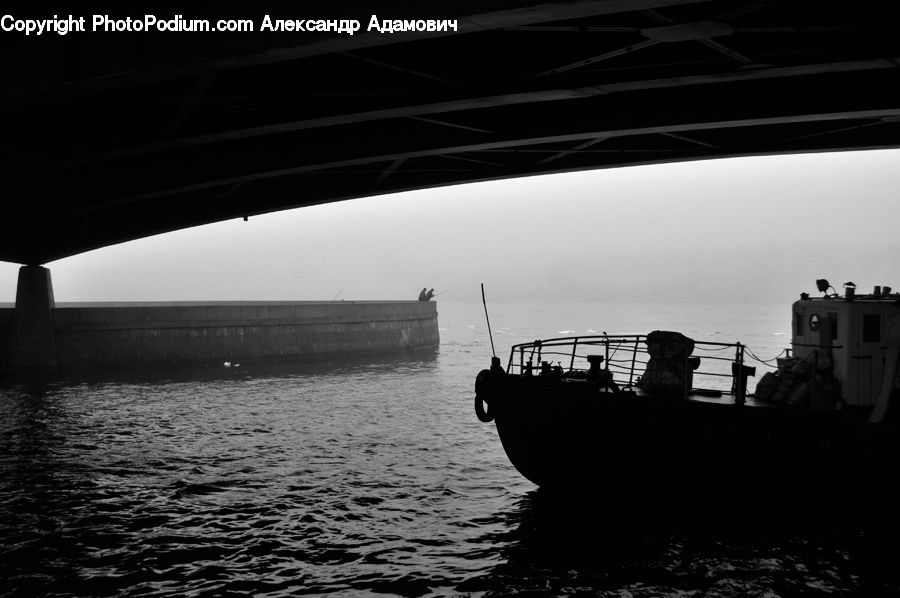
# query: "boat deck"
[[715, 372], [724, 399]]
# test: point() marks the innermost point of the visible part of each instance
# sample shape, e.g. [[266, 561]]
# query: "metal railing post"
[[739, 389], [633, 361]]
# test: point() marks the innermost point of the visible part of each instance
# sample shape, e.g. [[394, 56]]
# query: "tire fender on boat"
[[481, 411]]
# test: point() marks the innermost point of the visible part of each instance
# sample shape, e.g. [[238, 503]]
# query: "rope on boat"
[[767, 362]]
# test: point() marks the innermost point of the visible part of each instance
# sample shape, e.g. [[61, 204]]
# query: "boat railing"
[[711, 368]]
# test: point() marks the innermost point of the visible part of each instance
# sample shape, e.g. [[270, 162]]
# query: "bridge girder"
[[135, 135]]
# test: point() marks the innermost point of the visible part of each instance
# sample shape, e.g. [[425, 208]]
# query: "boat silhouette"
[[664, 415]]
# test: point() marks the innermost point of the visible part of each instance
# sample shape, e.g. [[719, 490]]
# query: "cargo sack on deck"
[[767, 387], [806, 382], [668, 371]]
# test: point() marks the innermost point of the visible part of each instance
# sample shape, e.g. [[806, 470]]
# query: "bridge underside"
[[112, 137]]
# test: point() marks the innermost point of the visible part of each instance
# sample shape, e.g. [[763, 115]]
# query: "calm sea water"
[[367, 477]]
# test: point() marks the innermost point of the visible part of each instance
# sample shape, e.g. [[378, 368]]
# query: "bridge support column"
[[33, 347]]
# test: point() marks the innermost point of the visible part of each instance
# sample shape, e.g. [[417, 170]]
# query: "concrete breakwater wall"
[[92, 335]]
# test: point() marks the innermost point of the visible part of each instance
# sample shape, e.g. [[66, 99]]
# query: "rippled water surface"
[[363, 477]]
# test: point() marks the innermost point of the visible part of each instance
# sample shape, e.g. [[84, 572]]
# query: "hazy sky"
[[735, 229]]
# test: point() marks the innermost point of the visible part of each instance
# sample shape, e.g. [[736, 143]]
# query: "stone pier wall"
[[93, 335]]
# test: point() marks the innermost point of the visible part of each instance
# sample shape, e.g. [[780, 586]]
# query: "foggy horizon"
[[754, 229]]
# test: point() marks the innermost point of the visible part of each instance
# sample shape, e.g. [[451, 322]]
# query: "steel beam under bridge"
[[110, 137]]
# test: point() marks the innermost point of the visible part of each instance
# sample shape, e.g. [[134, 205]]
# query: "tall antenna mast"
[[488, 320]]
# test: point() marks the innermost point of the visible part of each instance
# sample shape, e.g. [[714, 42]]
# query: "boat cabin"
[[857, 333]]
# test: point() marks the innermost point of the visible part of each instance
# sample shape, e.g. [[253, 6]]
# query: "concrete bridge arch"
[[110, 137]]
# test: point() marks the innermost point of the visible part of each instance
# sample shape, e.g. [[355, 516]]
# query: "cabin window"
[[871, 328], [834, 324], [815, 320], [798, 324]]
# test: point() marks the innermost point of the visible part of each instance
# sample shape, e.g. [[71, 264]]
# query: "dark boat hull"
[[569, 435]]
